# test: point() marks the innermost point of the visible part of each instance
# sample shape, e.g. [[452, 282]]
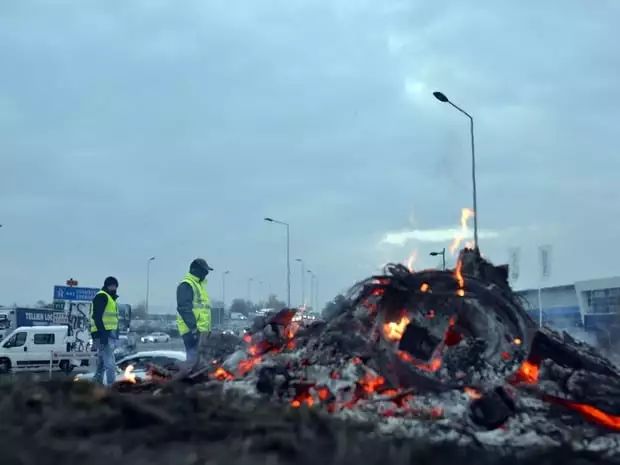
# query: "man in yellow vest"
[[193, 308], [104, 330]]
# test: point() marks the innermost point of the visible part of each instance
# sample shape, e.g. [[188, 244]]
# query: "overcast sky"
[[172, 128]]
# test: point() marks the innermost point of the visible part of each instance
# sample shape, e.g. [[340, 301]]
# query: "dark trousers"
[[191, 348]]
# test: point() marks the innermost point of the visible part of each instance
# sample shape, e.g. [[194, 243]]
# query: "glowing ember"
[[246, 365], [425, 287], [247, 338], [528, 373], [432, 366], [591, 413], [394, 331], [323, 393], [129, 376], [303, 398], [466, 214], [517, 341], [472, 393], [222, 375], [370, 383]]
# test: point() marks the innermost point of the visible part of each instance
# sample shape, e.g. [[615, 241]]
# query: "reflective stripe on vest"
[[110, 314], [201, 306]]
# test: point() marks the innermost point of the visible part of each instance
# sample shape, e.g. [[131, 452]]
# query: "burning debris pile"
[[441, 355]]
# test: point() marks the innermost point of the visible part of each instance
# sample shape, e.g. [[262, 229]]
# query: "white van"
[[37, 348]]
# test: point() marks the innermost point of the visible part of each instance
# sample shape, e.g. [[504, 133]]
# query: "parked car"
[[140, 362], [155, 337]]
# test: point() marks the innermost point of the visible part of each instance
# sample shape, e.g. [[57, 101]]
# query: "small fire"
[[247, 338], [291, 330], [370, 383], [394, 331], [466, 214], [129, 375], [458, 275], [425, 287], [517, 341], [222, 375], [528, 373], [473, 393], [411, 260]]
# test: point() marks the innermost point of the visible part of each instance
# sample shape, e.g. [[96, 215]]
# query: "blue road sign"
[[74, 293]]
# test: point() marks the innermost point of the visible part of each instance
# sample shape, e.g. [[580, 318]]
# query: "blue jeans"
[[106, 363]]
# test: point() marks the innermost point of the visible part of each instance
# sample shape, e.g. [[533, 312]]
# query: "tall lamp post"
[[314, 290], [443, 257], [303, 281], [288, 257], [224, 288], [442, 98], [148, 282]]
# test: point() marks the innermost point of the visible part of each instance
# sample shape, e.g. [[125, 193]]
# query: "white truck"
[[40, 348]]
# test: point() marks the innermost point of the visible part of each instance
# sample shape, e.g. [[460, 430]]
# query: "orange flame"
[[528, 373], [129, 376], [466, 214], [370, 383], [472, 393], [247, 338], [394, 331], [458, 275], [222, 375], [291, 330], [517, 341], [425, 287]]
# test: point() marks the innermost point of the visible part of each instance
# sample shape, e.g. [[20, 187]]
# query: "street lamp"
[[288, 257], [442, 98], [314, 291], [443, 256], [303, 281], [224, 288], [148, 281]]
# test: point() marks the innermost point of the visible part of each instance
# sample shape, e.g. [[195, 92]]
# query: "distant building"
[[592, 306]]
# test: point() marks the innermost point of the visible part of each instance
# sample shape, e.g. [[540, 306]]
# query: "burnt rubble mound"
[[433, 365]]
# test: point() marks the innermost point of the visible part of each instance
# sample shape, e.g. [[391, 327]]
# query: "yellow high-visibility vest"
[[201, 306], [110, 314]]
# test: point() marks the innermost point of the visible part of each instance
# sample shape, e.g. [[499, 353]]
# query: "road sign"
[[75, 293]]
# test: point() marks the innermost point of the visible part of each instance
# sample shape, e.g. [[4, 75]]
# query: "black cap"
[[200, 264], [110, 281]]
